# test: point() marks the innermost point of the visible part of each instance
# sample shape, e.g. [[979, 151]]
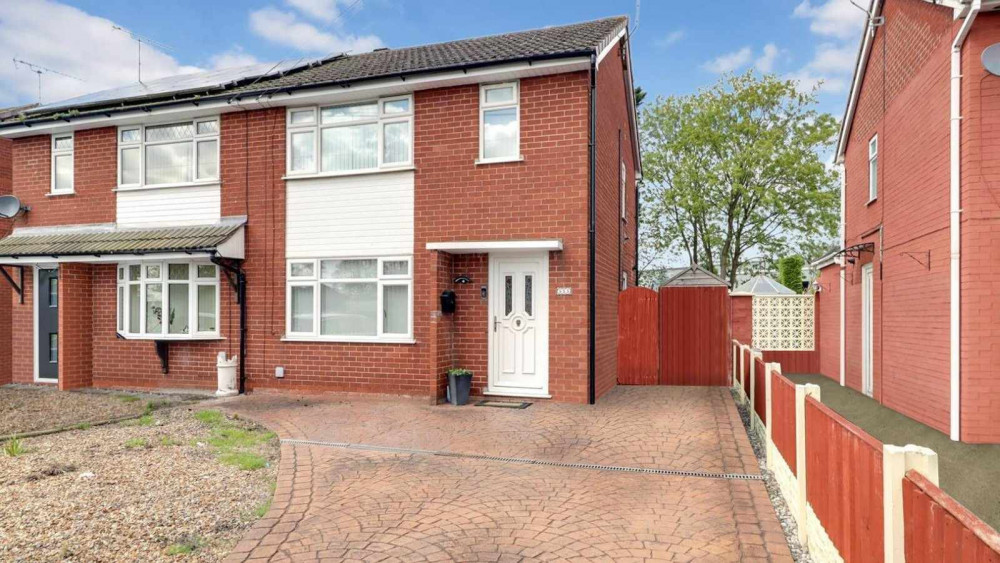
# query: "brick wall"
[[616, 237], [6, 187], [828, 335], [76, 308], [980, 395], [904, 99]]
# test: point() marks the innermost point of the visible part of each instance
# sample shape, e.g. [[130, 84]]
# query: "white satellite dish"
[[11, 207], [991, 59]]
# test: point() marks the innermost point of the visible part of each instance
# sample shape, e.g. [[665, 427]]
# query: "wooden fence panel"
[[760, 390], [638, 337], [783, 418], [938, 528], [694, 336], [794, 361], [844, 483]]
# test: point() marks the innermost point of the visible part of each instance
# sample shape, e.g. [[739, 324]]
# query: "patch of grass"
[[145, 420], [210, 417], [184, 547], [133, 443], [246, 461], [83, 426], [263, 509], [169, 441], [14, 447], [127, 398], [228, 438]]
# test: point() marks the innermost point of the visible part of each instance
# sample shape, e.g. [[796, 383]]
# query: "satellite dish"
[[11, 207], [991, 59]]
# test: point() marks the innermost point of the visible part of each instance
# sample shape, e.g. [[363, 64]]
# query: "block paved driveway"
[[387, 479]]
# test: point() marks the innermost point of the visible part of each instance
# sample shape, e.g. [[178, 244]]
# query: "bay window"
[[350, 299], [499, 122], [169, 154], [355, 137], [62, 164], [168, 300]]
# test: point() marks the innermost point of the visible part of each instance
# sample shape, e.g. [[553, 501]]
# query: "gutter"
[[592, 238], [955, 213]]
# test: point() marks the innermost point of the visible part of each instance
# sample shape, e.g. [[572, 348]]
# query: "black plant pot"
[[458, 388]]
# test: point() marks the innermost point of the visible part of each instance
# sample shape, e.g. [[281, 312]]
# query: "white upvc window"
[[350, 299], [62, 163], [174, 300], [873, 168], [169, 154], [350, 138], [499, 122]]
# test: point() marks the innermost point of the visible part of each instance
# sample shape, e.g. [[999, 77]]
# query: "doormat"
[[503, 404]]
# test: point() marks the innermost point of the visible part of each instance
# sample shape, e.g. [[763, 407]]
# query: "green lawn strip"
[[235, 445], [965, 469]]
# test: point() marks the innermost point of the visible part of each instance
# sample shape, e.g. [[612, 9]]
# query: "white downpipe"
[[956, 218], [843, 276]]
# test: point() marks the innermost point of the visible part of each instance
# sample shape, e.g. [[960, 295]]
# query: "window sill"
[[59, 194], [482, 161], [313, 175], [166, 186], [171, 338], [348, 339]]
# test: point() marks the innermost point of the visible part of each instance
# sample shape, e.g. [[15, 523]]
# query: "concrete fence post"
[[753, 368], [896, 461], [801, 392], [769, 368], [743, 360], [736, 351]]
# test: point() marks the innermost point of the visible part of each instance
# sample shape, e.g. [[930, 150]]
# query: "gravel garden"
[[176, 481]]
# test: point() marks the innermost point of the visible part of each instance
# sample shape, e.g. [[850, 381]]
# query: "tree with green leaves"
[[734, 172], [640, 95], [790, 272]]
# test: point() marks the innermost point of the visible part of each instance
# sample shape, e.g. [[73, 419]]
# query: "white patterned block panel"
[[783, 322]]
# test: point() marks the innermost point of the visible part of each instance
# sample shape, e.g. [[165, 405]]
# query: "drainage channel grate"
[[502, 404], [526, 461]]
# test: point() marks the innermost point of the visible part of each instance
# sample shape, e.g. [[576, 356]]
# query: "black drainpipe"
[[240, 287], [592, 337]]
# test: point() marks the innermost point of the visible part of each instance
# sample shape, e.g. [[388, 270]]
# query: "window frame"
[[484, 107], [71, 152], [195, 140], [381, 280], [194, 282], [873, 162], [316, 126]]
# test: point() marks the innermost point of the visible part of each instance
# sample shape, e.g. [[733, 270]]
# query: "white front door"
[[867, 311], [519, 324]]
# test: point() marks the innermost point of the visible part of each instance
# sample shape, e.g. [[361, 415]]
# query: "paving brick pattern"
[[349, 504]]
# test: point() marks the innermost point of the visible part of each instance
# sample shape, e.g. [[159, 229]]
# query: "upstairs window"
[[62, 164], [873, 168], [357, 137], [499, 122], [170, 154]]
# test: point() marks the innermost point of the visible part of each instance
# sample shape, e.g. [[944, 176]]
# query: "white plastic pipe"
[[956, 219], [843, 276]]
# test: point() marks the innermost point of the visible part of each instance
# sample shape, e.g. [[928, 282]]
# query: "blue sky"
[[677, 48]]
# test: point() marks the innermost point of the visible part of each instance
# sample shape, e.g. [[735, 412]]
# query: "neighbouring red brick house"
[[343, 199], [916, 289]]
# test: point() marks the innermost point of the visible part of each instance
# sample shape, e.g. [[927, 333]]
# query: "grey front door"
[[48, 324]]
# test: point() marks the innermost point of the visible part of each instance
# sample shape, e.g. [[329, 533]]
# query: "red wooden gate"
[[638, 337], [694, 336]]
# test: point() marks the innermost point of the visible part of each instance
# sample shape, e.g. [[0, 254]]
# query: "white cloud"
[[71, 41], [729, 61], [831, 58], [833, 18], [235, 57], [765, 62], [671, 38], [323, 10], [285, 28]]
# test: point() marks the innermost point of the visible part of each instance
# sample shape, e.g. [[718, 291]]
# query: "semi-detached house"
[[911, 312], [316, 221]]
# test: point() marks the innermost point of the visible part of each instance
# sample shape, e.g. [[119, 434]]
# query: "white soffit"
[[480, 247]]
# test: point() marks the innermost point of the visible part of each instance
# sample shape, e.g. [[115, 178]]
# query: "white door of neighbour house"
[[519, 325], [867, 310]]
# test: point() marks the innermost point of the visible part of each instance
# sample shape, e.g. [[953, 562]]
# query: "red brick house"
[[917, 284], [314, 220]]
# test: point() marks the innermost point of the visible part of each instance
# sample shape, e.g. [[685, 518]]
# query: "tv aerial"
[[40, 70], [140, 39]]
